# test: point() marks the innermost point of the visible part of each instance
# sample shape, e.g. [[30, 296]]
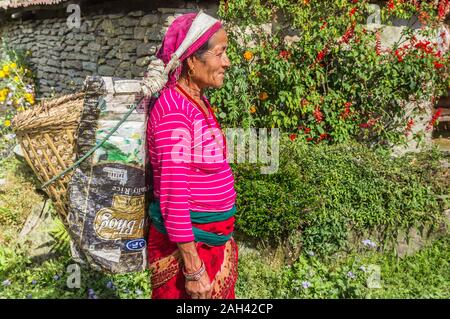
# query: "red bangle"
[[196, 275]]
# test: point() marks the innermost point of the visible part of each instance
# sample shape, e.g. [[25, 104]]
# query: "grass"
[[262, 272], [423, 275]]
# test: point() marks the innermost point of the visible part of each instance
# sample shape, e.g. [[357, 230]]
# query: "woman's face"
[[209, 71]]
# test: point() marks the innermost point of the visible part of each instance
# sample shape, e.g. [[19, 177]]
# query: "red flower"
[[391, 5], [309, 139], [293, 136], [409, 126], [424, 46], [318, 115], [352, 11], [284, 54], [323, 136], [320, 55], [378, 42], [438, 65], [369, 123], [324, 25], [347, 35], [307, 130], [443, 9], [433, 119], [398, 54], [346, 112]]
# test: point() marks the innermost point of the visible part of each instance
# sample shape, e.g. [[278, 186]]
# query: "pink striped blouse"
[[190, 171]]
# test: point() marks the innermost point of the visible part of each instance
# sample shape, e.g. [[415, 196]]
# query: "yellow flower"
[[13, 65], [16, 78], [29, 97], [6, 69], [2, 74], [263, 96], [253, 109], [21, 109], [3, 94], [7, 123], [248, 55]]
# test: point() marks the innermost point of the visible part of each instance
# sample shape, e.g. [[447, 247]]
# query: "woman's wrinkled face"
[[209, 70]]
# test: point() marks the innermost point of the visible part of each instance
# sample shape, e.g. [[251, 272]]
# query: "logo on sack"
[[124, 220], [117, 174], [137, 244]]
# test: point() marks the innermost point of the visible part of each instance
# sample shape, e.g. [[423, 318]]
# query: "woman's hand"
[[200, 289], [197, 289]]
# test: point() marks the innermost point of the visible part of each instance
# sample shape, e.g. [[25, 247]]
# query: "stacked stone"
[[119, 45]]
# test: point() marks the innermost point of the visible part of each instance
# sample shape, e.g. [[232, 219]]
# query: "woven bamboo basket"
[[47, 136]]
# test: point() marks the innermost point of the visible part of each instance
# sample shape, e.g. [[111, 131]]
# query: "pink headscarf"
[[174, 37]]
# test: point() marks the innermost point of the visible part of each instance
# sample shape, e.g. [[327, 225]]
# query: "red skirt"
[[221, 263]]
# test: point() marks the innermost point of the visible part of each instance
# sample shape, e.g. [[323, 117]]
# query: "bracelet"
[[195, 276]]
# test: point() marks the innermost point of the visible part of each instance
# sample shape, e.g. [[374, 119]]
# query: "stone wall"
[[109, 42]]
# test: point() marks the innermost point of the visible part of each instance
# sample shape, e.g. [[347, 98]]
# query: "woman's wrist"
[[196, 275], [191, 259]]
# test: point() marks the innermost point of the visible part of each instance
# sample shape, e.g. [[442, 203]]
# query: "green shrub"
[[329, 192]]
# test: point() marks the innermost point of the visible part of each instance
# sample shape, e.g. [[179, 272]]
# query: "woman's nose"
[[226, 61]]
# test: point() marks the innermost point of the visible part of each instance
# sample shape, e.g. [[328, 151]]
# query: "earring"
[[191, 73]]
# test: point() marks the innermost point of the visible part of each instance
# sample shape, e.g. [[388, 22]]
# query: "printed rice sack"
[[108, 191]]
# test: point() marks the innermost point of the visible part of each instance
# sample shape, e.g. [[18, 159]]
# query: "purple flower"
[[29, 296], [55, 277], [6, 282], [91, 294], [369, 243], [311, 253], [351, 275], [109, 285], [10, 137], [306, 284], [34, 282]]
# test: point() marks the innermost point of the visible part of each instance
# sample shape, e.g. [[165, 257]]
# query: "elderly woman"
[[191, 250]]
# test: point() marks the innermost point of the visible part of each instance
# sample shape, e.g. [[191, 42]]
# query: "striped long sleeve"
[[173, 146], [189, 171]]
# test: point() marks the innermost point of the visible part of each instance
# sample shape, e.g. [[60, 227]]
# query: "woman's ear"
[[190, 63]]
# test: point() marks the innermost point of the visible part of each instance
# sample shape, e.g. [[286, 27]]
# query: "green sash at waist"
[[200, 235]]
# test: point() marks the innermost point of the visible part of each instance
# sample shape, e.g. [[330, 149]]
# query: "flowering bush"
[[17, 91], [332, 81]]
